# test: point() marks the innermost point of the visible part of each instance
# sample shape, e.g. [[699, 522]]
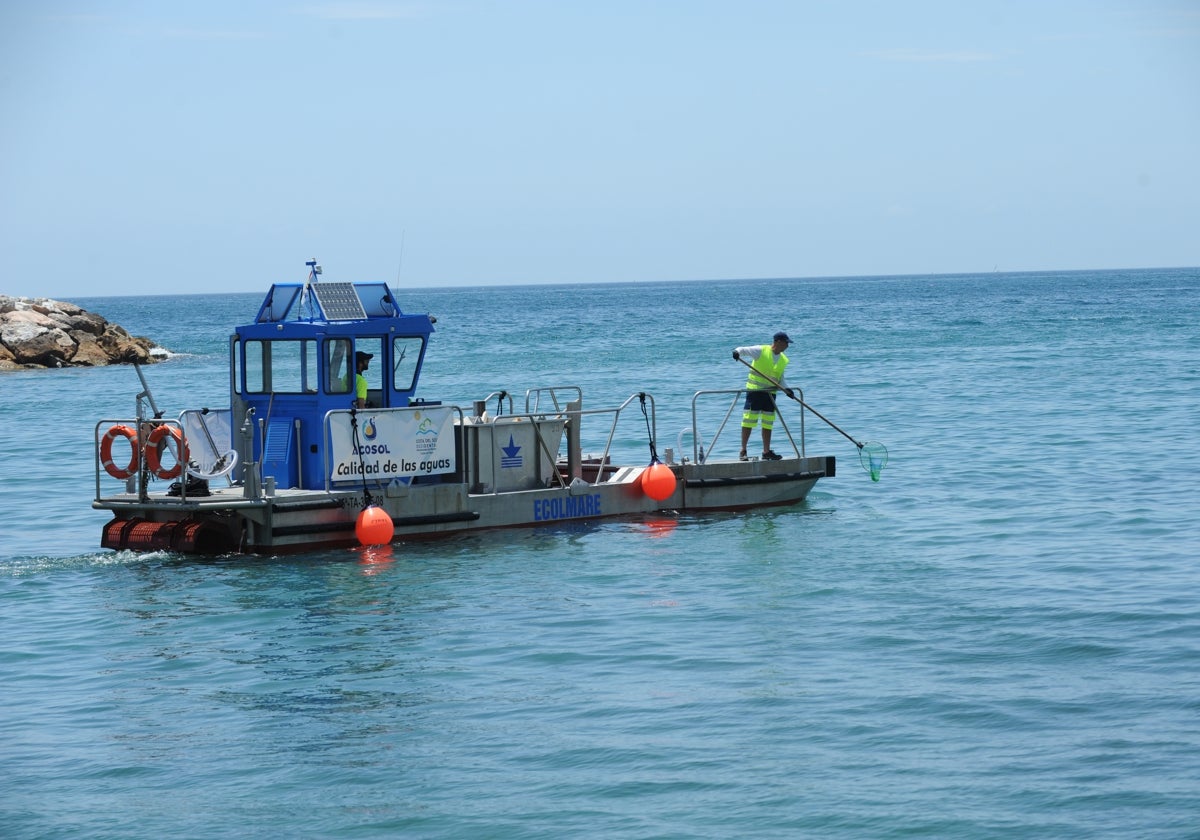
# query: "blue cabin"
[[296, 362]]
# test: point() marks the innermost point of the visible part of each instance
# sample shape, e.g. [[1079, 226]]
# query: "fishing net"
[[208, 432], [873, 457]]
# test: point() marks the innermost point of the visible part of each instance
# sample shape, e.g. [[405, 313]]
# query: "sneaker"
[[742, 456], [771, 455]]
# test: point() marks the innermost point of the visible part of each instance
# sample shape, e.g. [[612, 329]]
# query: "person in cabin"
[[362, 361], [767, 363]]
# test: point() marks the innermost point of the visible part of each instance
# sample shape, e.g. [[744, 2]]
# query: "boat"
[[298, 462]]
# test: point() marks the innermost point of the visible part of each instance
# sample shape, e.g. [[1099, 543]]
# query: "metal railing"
[[533, 398], [138, 479], [700, 453], [572, 412]]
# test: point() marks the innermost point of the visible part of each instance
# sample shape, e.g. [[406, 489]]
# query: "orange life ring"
[[106, 446], [155, 445]]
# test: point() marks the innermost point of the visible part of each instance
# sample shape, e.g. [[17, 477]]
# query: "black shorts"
[[762, 402]]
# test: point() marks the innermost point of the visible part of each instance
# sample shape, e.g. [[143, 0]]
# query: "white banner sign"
[[397, 443]]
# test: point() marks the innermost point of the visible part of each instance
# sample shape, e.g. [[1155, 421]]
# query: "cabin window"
[[406, 351], [375, 368], [280, 367], [337, 362]]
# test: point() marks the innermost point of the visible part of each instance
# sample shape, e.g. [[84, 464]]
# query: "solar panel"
[[339, 301]]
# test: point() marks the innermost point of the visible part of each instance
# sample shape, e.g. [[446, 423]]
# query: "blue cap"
[[782, 336]]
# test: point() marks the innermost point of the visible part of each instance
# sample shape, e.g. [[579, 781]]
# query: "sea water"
[[999, 638]]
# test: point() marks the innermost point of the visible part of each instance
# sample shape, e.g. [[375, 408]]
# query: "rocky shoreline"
[[45, 333]]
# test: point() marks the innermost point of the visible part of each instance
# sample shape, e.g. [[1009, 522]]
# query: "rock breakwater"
[[45, 333]]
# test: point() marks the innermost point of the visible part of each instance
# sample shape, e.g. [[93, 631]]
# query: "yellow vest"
[[764, 366]]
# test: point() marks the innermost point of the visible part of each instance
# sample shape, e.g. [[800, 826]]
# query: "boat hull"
[[293, 520]]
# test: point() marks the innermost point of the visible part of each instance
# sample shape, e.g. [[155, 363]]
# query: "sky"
[[181, 148]]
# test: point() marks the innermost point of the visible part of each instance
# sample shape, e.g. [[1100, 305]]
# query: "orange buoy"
[[106, 452], [374, 526], [658, 481], [160, 441]]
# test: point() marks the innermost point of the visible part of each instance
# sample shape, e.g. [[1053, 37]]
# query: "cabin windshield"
[[406, 353], [281, 367], [328, 366]]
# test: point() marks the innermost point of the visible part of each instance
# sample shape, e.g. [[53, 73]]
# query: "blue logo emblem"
[[511, 458]]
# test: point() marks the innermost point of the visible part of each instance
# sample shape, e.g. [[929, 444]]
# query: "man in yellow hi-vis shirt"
[[767, 362], [361, 362]]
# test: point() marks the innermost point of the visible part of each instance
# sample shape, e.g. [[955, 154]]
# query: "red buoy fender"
[[155, 445], [658, 481], [106, 447], [374, 526]]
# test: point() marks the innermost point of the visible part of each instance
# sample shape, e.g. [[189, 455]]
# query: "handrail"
[[140, 480], [612, 432], [577, 416], [141, 476], [697, 437], [552, 391], [500, 395]]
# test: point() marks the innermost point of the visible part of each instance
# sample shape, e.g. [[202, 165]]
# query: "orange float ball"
[[658, 481], [374, 526]]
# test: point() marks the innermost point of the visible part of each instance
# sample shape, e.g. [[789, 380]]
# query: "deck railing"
[[700, 452]]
